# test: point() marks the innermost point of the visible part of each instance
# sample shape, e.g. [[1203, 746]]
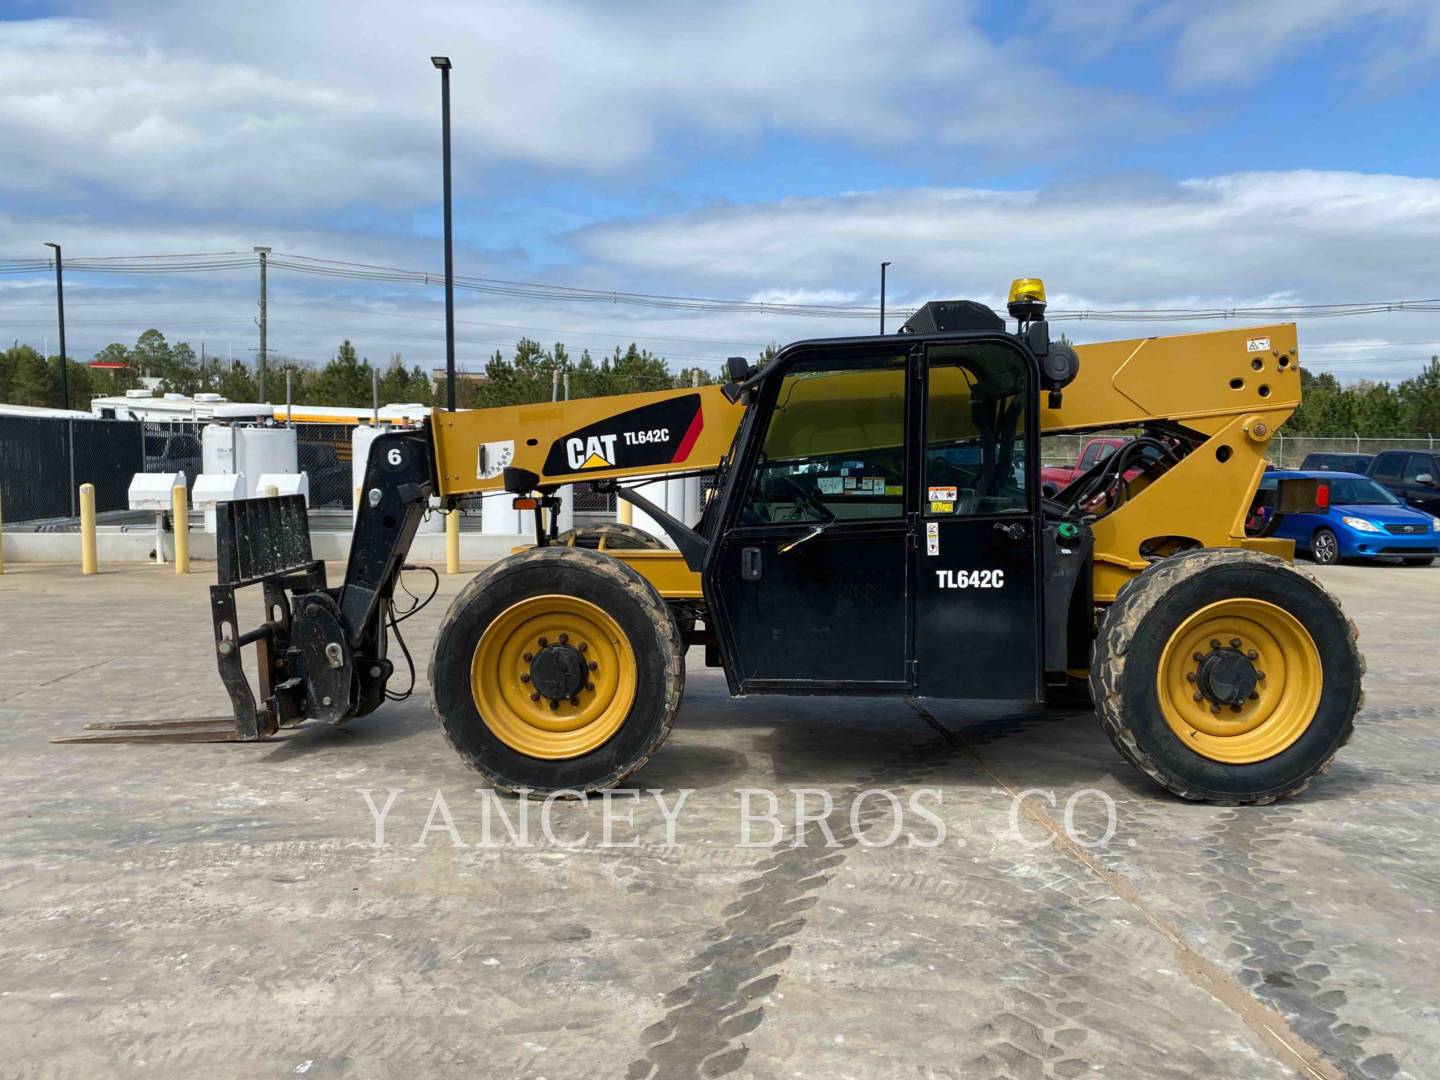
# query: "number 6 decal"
[[394, 456]]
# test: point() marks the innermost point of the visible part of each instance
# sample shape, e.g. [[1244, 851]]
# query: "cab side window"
[[1416, 466], [835, 445], [975, 458]]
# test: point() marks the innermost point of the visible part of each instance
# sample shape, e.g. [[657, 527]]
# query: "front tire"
[[1419, 560], [1253, 722], [612, 534], [557, 669], [1325, 547]]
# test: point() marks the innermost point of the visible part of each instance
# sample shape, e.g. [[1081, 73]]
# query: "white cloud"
[[1240, 240], [281, 107], [1230, 45]]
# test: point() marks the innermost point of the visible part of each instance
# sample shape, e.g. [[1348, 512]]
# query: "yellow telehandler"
[[875, 526]]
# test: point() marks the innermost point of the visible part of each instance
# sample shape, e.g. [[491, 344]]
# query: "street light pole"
[[883, 265], [443, 64], [60, 308]]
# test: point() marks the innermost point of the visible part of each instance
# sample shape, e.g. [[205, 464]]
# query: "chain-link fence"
[[322, 450], [44, 460], [1351, 452]]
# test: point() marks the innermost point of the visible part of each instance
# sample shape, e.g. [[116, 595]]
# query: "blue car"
[[1363, 521]]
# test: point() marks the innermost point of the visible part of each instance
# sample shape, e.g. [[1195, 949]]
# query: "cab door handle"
[[749, 564]]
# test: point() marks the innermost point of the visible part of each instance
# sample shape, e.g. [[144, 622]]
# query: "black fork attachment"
[[320, 653]]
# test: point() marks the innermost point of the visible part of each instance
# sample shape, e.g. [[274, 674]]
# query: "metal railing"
[[1289, 451]]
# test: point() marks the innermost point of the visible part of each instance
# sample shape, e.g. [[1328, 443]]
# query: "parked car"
[[1351, 463], [173, 451], [1055, 477], [1361, 521], [1414, 475]]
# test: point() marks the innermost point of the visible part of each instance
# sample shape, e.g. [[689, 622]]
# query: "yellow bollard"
[[452, 542], [180, 517], [87, 529]]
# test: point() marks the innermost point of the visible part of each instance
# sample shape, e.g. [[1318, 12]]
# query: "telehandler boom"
[[876, 527]]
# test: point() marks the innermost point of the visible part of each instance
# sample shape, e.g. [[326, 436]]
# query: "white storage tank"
[[252, 451], [679, 497]]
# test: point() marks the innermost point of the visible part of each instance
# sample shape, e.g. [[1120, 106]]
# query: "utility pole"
[[883, 266], [443, 64], [60, 307], [262, 252]]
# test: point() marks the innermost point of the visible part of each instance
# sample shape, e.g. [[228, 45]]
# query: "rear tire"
[[1325, 548], [1306, 700], [614, 534], [483, 671]]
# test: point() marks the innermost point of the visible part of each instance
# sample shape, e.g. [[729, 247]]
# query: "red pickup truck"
[[1055, 477]]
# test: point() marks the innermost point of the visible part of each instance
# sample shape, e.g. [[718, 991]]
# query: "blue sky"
[[1136, 153]]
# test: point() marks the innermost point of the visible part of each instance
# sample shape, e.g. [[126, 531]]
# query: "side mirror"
[[1426, 478]]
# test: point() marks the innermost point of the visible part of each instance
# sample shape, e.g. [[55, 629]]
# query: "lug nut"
[[1234, 708], [1254, 696], [1189, 676], [1234, 643], [1214, 709], [554, 705], [1252, 655], [544, 642], [594, 666], [1260, 675], [524, 677], [583, 647], [528, 657], [534, 697], [574, 701], [1199, 696], [1199, 657], [589, 686], [563, 638], [1214, 643]]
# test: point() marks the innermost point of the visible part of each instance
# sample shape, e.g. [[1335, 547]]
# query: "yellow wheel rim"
[[504, 684], [1285, 696]]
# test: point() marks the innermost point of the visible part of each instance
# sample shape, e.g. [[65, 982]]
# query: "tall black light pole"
[[883, 265], [60, 307], [443, 63]]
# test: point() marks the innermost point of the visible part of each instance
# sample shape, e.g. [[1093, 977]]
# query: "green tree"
[[151, 354], [1420, 399], [345, 380], [30, 378], [237, 384], [401, 385]]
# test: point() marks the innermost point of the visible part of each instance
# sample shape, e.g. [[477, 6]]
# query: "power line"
[[336, 268]]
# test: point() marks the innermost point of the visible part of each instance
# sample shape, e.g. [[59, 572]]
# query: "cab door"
[[977, 616], [808, 578]]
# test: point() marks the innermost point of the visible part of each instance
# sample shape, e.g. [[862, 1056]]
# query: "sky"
[[1136, 154]]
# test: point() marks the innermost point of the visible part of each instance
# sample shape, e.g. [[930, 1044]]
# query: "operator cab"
[[880, 527]]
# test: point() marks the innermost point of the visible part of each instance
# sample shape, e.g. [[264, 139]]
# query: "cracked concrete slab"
[[224, 910]]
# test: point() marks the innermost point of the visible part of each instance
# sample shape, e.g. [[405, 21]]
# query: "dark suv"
[[1414, 475], [1356, 463]]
